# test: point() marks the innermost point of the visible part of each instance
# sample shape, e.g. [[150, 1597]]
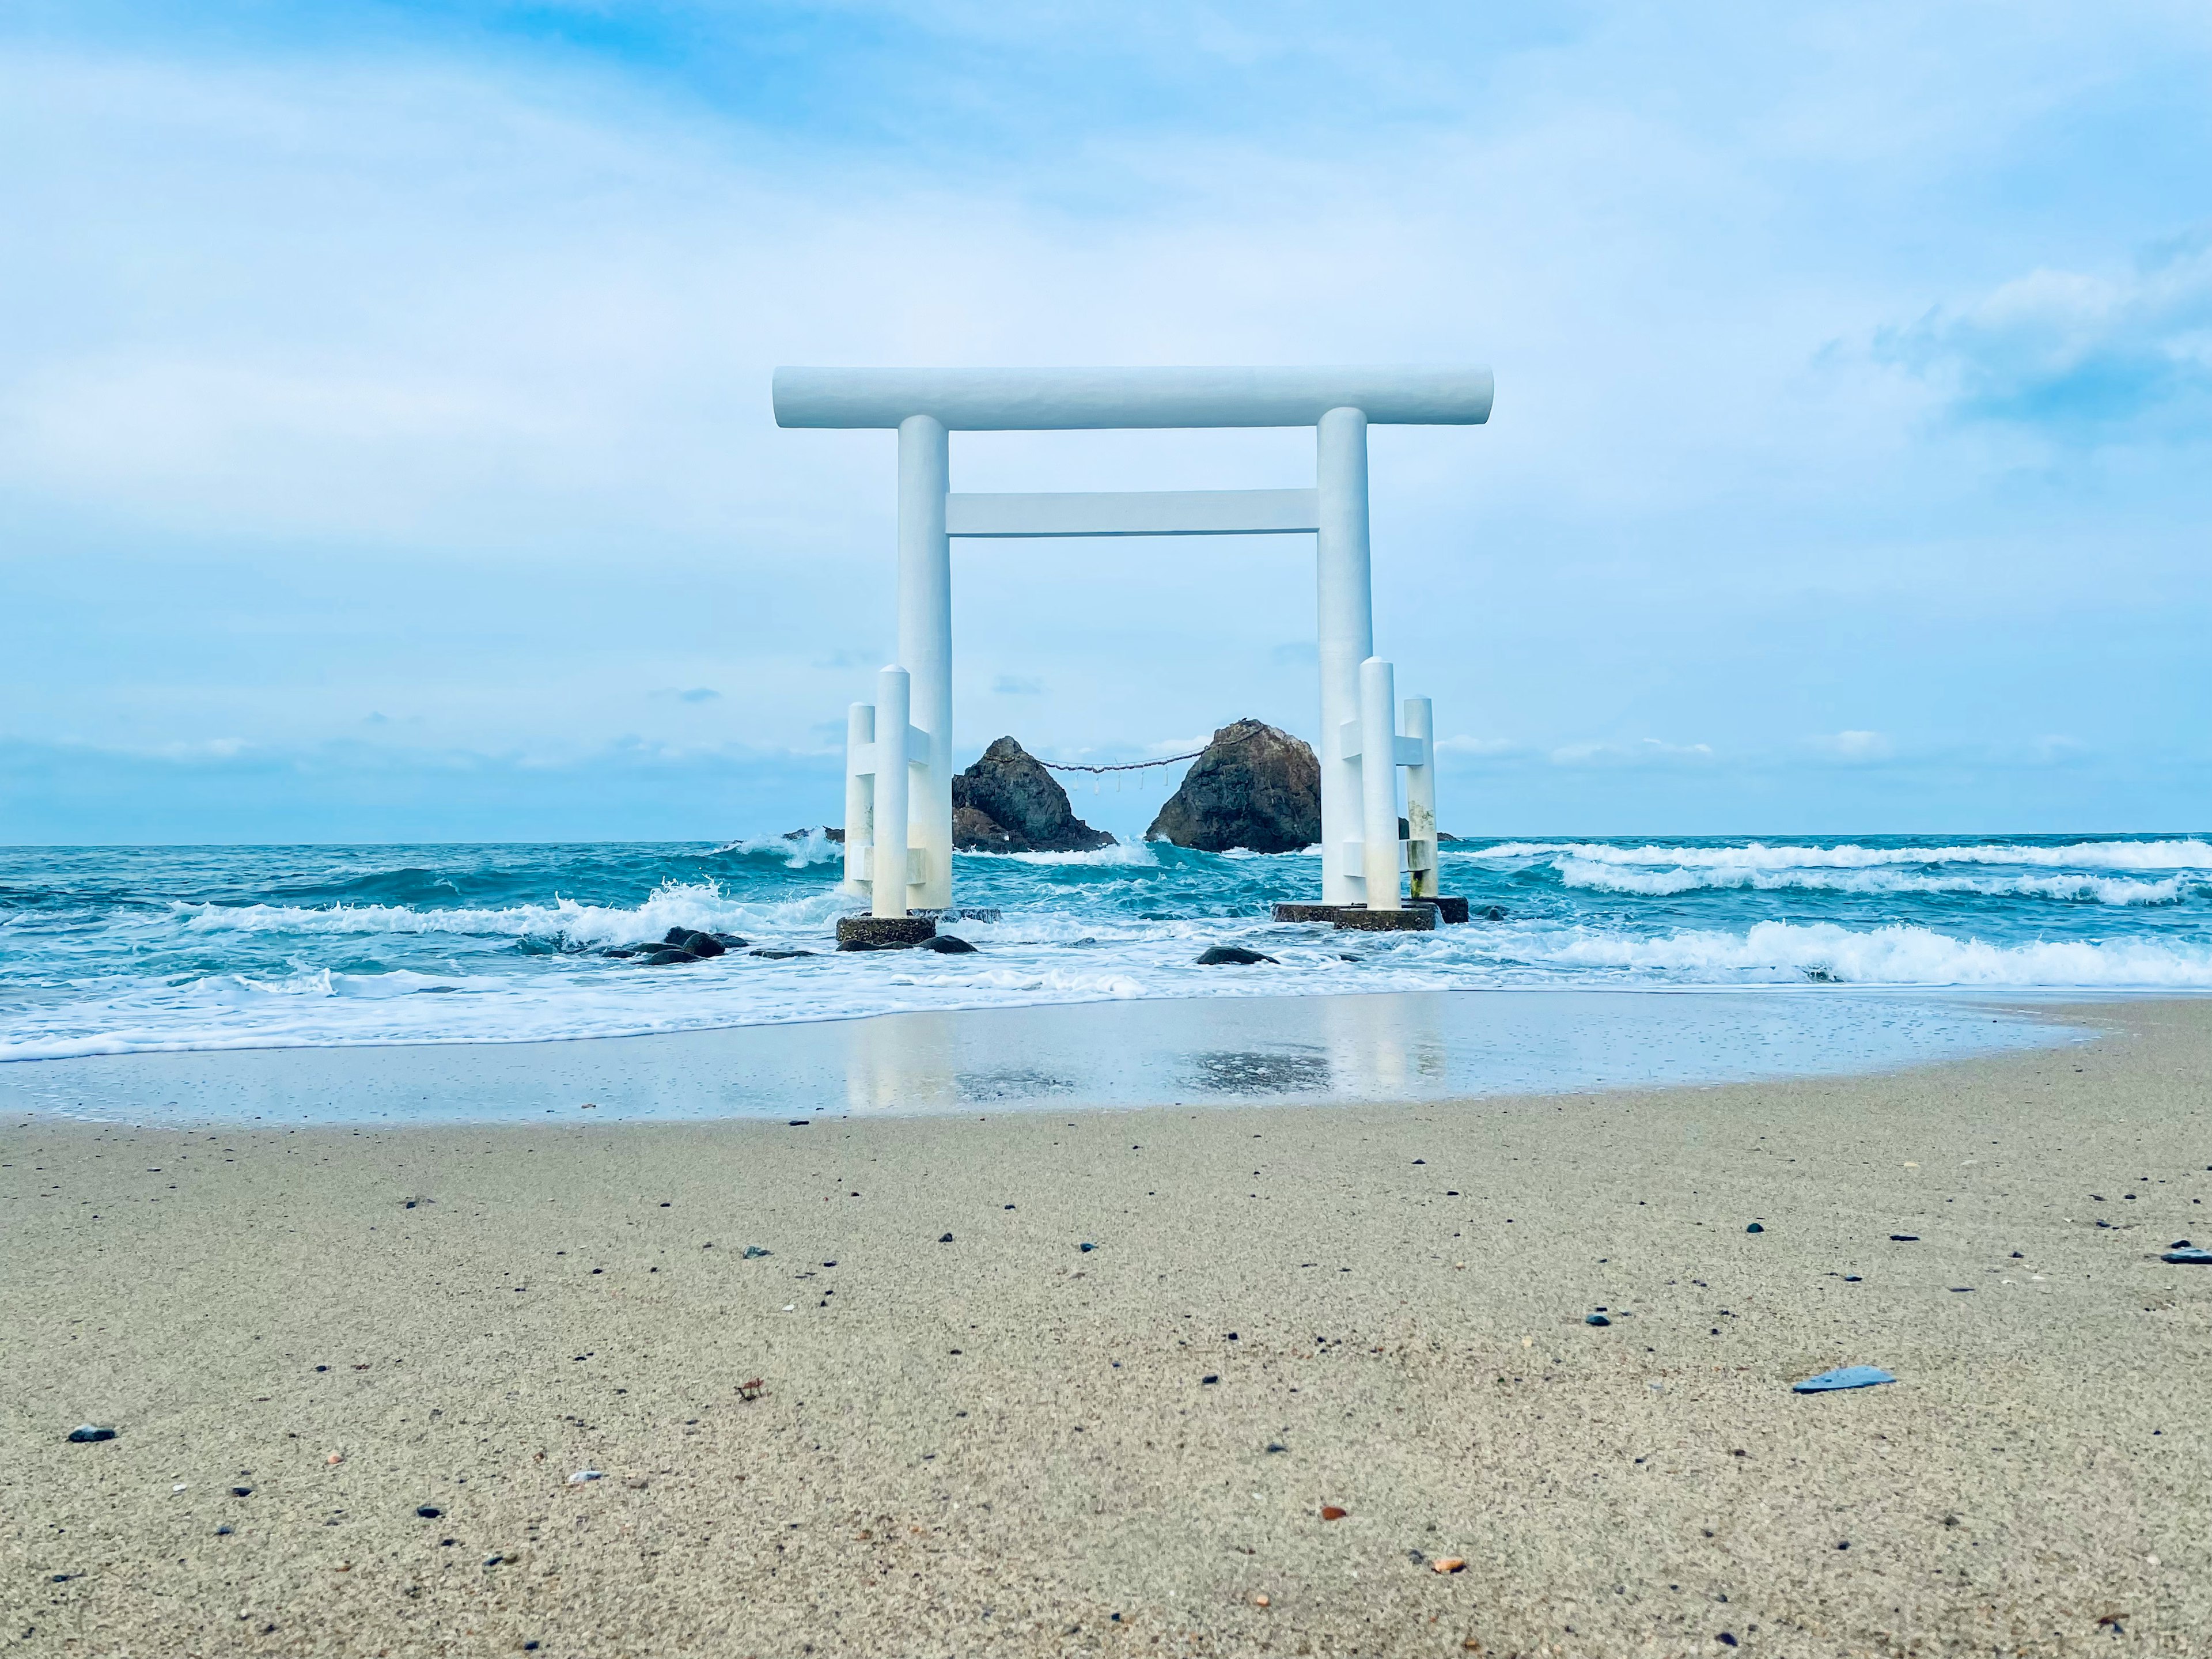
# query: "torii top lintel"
[[1099, 400]]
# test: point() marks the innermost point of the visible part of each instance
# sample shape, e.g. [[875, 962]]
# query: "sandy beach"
[[354, 1373]]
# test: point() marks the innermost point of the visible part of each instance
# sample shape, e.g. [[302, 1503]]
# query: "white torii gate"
[[898, 817]]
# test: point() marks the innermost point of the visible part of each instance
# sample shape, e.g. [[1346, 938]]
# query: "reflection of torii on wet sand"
[[898, 817]]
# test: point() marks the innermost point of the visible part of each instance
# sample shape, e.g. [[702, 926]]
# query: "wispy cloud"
[[1855, 747], [1650, 752], [2081, 356]]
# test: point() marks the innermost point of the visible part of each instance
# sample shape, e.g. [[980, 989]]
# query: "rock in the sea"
[[1231, 955], [948, 945], [830, 833], [1008, 803], [1255, 786], [691, 939]]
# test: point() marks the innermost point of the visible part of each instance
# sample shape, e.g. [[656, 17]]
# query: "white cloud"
[[1855, 746], [1650, 752], [2079, 353], [1481, 747]]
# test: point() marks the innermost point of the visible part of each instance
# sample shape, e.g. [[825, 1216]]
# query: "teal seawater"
[[111, 951]]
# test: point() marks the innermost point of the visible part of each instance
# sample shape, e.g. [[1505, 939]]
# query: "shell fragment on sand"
[[1844, 1376]]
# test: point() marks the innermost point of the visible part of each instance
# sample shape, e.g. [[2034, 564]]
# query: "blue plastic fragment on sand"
[[2191, 1257], [1845, 1376]]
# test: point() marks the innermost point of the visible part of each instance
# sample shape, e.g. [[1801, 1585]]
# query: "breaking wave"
[[2189, 854], [1609, 878], [1895, 954]]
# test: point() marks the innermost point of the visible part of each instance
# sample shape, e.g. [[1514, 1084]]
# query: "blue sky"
[[385, 448]]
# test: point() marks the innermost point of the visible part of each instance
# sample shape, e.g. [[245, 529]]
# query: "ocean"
[[131, 950]]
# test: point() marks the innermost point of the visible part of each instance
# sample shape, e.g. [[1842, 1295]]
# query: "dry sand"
[[1005, 1445]]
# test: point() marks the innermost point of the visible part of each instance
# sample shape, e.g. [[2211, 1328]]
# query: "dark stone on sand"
[[1210, 1377], [429, 1512], [946, 1239], [1254, 787], [1754, 1228], [86, 1433], [222, 1532], [948, 945], [753, 1252], [2191, 1257], [241, 1491], [1085, 1249], [1596, 1319], [883, 932], [1222, 956], [1008, 803], [1904, 1238]]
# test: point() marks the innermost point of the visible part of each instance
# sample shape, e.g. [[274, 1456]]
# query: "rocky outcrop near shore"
[[1008, 803], [1254, 787]]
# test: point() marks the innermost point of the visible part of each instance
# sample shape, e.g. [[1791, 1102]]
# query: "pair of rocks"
[[679, 945], [1254, 787]]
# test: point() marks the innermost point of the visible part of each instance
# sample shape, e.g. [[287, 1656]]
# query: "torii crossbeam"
[[899, 817]]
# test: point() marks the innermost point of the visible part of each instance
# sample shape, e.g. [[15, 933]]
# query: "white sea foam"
[[699, 905], [1658, 883], [1898, 955], [797, 850], [2190, 855], [1126, 853]]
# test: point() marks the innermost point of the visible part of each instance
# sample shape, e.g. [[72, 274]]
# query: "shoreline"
[[1364, 1048], [1002, 1443]]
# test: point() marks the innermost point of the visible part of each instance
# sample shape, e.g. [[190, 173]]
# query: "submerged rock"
[[1255, 786], [1008, 803], [1232, 956], [947, 944]]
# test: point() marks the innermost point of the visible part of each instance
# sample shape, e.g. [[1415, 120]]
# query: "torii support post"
[[860, 799], [1378, 785], [1422, 865], [888, 879]]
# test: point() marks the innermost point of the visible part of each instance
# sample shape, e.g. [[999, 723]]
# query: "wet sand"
[[1002, 1443]]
